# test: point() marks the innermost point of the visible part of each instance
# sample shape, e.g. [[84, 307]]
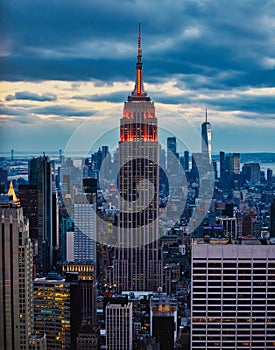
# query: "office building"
[[251, 173], [171, 277], [229, 171], [28, 197], [84, 229], [87, 281], [57, 310], [163, 320], [67, 239], [172, 155], [229, 225], [137, 263], [269, 175], [16, 299], [88, 338], [38, 342], [233, 296], [119, 326]]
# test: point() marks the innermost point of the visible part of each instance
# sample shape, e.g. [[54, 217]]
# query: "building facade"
[[119, 326], [84, 229], [233, 297], [87, 280], [38, 342], [57, 311], [16, 298], [163, 320], [40, 175]]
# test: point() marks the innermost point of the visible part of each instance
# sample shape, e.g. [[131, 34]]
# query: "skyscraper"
[[206, 139], [137, 264], [87, 281], [186, 160], [40, 174], [28, 196], [119, 326], [57, 310], [251, 172], [172, 155], [16, 299], [163, 320], [84, 229], [232, 296]]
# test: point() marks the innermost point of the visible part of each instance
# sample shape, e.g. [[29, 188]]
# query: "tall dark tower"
[[206, 139], [137, 264], [40, 175]]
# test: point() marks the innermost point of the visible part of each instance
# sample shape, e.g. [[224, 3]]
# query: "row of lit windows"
[[225, 264]]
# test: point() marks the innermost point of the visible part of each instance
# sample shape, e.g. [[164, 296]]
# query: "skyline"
[[80, 60]]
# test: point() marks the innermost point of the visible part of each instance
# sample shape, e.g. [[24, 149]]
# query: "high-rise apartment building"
[[119, 326], [233, 296], [137, 264], [16, 298]]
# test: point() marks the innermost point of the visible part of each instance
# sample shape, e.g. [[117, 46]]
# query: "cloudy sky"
[[68, 65]]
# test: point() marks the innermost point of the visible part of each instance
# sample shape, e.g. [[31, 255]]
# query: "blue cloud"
[[109, 97], [31, 96], [202, 36], [64, 111]]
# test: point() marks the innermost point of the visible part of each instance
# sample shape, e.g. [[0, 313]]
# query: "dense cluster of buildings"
[[86, 268]]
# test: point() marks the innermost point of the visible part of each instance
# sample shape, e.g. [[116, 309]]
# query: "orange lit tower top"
[[138, 92], [139, 122]]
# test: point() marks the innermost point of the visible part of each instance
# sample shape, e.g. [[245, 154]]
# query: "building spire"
[[139, 47], [11, 192], [139, 89], [206, 114]]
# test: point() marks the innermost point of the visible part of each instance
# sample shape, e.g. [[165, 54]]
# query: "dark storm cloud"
[[31, 96], [96, 40]]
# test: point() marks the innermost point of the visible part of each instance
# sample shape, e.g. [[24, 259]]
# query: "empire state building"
[[138, 263]]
